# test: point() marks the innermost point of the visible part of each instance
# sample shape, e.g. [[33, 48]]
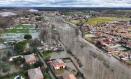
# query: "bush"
[[18, 61], [37, 64], [6, 68], [47, 76]]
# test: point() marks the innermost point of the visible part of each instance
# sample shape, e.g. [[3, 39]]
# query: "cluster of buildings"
[[114, 38], [47, 47], [34, 73], [29, 19], [77, 17], [34, 63], [31, 59], [38, 72]]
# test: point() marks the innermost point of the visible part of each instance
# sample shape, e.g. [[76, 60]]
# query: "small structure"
[[30, 59], [58, 64], [69, 76], [35, 73]]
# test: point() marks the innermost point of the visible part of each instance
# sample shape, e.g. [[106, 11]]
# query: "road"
[[96, 64]]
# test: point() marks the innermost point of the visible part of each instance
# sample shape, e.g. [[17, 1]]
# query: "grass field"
[[99, 20], [75, 21], [19, 29], [47, 55]]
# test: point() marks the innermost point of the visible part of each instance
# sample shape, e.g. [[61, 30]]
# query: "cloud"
[[65, 3]]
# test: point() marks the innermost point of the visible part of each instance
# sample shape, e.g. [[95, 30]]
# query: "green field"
[[99, 20], [47, 55], [19, 29], [75, 21]]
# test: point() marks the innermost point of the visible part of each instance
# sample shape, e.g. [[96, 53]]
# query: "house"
[[69, 76], [58, 64], [30, 59], [35, 73]]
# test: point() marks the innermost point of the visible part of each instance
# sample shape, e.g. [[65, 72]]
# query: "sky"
[[65, 3]]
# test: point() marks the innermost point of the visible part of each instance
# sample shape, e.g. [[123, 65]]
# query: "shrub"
[[27, 37]]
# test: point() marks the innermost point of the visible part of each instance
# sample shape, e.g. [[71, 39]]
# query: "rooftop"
[[30, 58], [35, 73], [69, 76]]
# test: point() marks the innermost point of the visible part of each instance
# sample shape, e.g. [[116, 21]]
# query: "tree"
[[35, 43], [38, 18], [27, 37], [20, 46], [38, 64], [18, 61], [9, 54], [80, 23], [6, 68], [4, 58], [130, 22], [26, 66], [98, 44]]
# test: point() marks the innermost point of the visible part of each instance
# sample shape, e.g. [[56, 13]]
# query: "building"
[[22, 20], [58, 64], [30, 59], [33, 10], [35, 73], [69, 76]]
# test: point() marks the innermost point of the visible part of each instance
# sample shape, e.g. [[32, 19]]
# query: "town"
[[31, 51], [38, 44], [113, 38]]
